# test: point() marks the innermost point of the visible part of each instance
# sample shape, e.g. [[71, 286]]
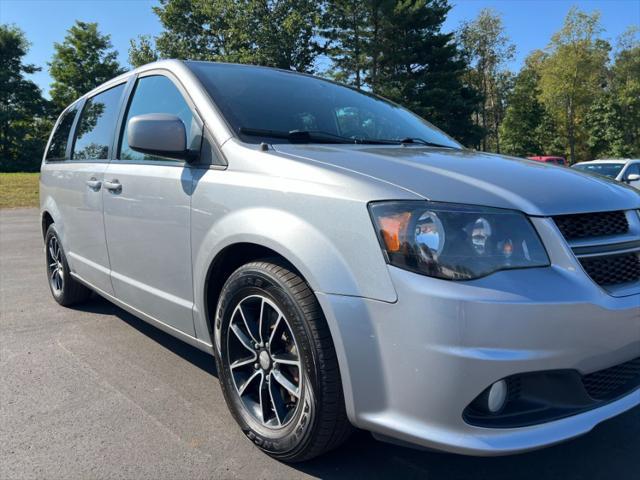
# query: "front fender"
[[326, 267]]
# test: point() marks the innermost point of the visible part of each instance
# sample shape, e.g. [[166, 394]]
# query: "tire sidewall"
[[287, 440]]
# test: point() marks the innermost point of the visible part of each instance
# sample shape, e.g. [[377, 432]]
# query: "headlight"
[[455, 242]]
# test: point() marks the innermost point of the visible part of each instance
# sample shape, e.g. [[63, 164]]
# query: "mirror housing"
[[159, 134], [633, 177]]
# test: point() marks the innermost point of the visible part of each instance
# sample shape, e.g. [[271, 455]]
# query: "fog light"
[[497, 396]]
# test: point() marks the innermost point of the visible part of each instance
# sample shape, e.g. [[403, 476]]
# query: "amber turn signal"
[[394, 228]]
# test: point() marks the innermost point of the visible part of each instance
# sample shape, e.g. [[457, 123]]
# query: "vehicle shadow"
[[200, 359], [610, 451]]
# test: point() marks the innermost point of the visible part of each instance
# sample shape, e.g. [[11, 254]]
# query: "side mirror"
[[159, 134], [633, 177]]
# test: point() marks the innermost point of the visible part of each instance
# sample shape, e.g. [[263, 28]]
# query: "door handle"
[[94, 184], [113, 186]]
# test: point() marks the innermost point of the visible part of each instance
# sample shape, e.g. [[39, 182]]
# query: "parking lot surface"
[[93, 392]]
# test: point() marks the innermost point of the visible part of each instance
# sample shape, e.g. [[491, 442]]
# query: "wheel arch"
[[227, 260], [46, 221], [49, 214]]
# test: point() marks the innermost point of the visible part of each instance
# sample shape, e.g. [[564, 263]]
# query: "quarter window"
[[58, 146], [94, 132], [158, 94]]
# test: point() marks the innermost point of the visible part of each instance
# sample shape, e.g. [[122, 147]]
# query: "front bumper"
[[410, 368]]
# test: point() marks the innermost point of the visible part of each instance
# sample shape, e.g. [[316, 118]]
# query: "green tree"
[[613, 119], [523, 116], [572, 75], [84, 60], [625, 88], [142, 51], [23, 112], [347, 28], [420, 67], [487, 49], [276, 33], [605, 128], [527, 128]]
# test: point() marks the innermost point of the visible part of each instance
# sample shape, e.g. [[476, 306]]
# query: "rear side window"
[[94, 132], [158, 94], [58, 146]]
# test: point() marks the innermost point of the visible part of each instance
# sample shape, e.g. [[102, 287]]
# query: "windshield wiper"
[[311, 136], [302, 136], [423, 142]]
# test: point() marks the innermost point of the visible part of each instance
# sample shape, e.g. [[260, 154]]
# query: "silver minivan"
[[345, 262]]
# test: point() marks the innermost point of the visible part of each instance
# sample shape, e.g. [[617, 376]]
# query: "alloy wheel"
[[264, 361], [55, 266]]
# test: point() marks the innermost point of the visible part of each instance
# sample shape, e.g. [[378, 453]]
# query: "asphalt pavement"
[[93, 392]]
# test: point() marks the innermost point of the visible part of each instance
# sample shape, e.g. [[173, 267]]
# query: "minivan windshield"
[[263, 103], [610, 170]]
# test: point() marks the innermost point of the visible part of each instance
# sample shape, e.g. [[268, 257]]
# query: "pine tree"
[[348, 32], [421, 68]]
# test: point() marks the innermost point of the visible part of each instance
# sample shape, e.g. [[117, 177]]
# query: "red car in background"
[[549, 159]]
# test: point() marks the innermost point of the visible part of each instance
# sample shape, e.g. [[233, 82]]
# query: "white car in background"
[[623, 170]]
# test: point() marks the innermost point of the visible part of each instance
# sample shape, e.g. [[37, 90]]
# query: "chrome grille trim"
[[612, 249]]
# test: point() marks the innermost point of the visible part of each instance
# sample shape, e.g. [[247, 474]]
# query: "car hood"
[[466, 176]]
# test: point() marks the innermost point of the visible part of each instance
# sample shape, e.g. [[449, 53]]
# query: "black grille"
[[614, 269], [612, 382], [585, 225]]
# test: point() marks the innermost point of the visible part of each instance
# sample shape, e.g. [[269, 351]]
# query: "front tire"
[[277, 364], [65, 289]]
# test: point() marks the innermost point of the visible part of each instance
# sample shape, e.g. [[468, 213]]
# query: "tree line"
[[579, 97]]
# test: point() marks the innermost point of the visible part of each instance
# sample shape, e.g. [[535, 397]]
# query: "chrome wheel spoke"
[[275, 328], [286, 359], [278, 403], [265, 400], [240, 335], [279, 377], [243, 386], [243, 362], [261, 322], [246, 324], [57, 279]]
